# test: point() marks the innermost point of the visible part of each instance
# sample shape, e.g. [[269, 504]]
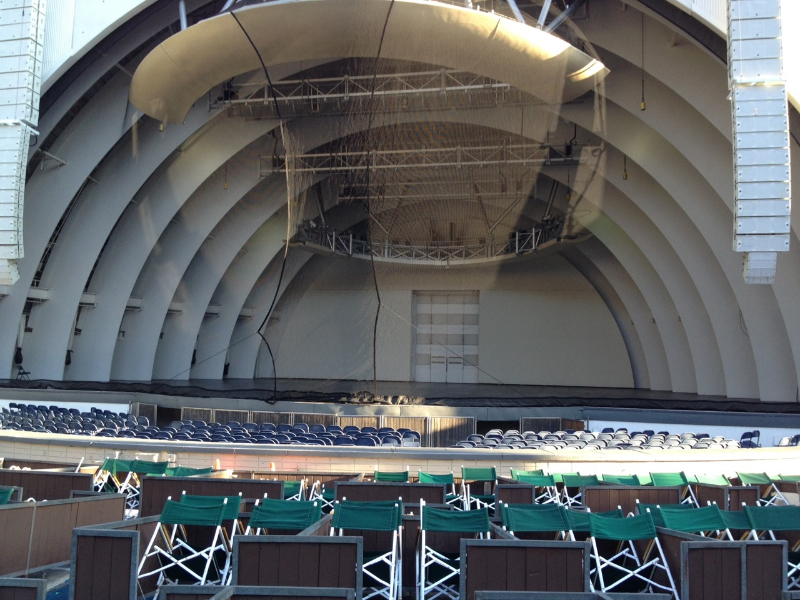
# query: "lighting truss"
[[425, 158]]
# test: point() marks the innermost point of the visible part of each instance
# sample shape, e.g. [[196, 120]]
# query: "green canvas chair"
[[187, 471], [515, 473], [325, 496], [294, 490], [655, 510], [770, 494], [571, 493], [706, 521], [230, 514], [383, 570], [181, 561], [546, 491], [472, 477], [578, 520], [712, 479], [765, 521], [621, 479], [282, 514], [628, 564], [451, 497], [535, 518], [5, 495], [438, 573], [391, 476], [107, 479], [676, 480]]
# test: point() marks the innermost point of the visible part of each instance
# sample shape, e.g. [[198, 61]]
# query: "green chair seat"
[[231, 511], [669, 479], [478, 474], [5, 495], [186, 471], [534, 518], [285, 514], [537, 480], [640, 527], [367, 516], [578, 520], [516, 473], [446, 479], [471, 521], [696, 520], [391, 476], [736, 519], [621, 479], [179, 513], [712, 479]]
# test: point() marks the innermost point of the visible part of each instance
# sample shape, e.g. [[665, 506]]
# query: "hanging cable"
[[371, 115], [643, 106]]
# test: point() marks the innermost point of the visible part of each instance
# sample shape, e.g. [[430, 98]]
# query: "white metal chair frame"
[[627, 551], [176, 539], [428, 557], [393, 559]]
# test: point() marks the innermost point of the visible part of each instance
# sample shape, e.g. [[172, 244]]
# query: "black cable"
[[371, 113], [286, 249]]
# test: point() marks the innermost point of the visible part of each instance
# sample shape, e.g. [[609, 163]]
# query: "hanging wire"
[[643, 106]]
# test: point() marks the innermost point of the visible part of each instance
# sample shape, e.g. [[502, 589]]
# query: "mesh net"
[[458, 198]]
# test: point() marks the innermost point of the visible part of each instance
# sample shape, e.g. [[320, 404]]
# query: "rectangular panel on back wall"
[[446, 431], [315, 419], [272, 417], [224, 416], [197, 414]]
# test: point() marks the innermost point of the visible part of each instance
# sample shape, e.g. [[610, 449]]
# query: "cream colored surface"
[[71, 449], [190, 63]]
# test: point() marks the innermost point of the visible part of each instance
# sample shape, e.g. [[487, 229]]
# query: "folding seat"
[[677, 479], [451, 497], [282, 515], [626, 563], [267, 427], [535, 518], [351, 429], [621, 479], [515, 473], [706, 521], [412, 439], [381, 570], [182, 561], [545, 490], [366, 441], [391, 476], [438, 572], [294, 490], [316, 428], [333, 428], [344, 441], [770, 494], [391, 440], [572, 493], [481, 478], [765, 521]]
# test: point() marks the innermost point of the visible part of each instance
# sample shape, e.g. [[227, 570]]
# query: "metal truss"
[[423, 158], [519, 242], [412, 91]]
